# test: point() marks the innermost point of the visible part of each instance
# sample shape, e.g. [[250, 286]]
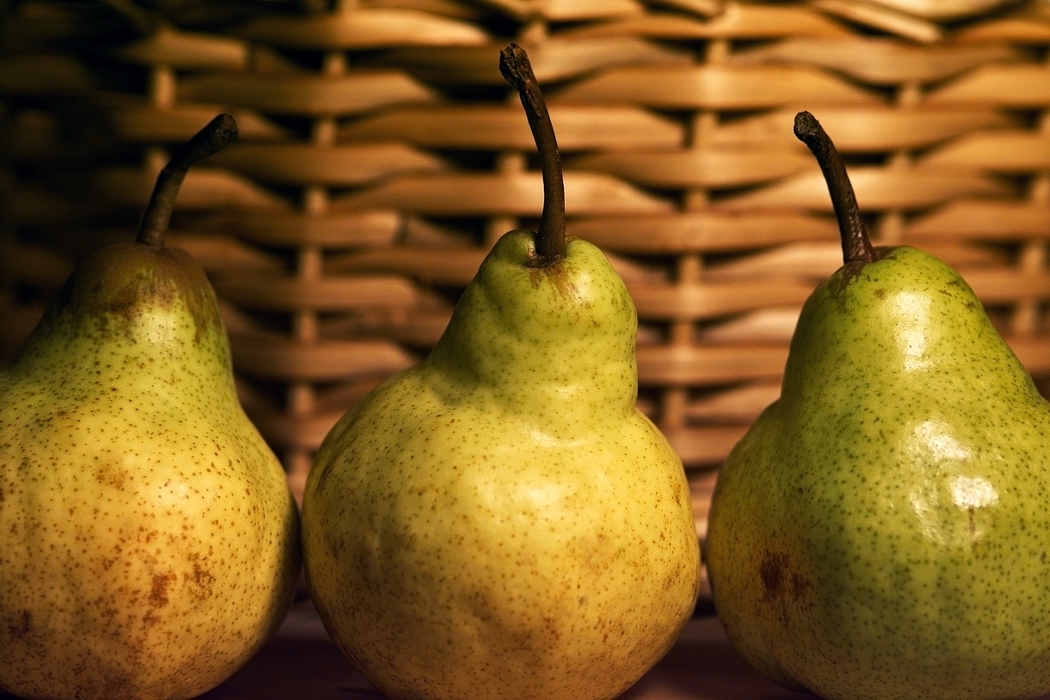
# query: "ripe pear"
[[150, 540], [500, 522], [882, 530]]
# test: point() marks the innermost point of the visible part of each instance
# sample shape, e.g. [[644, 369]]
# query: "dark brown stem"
[[856, 246], [550, 238], [217, 135]]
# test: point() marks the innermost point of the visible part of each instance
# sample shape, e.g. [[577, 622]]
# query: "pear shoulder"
[[122, 282]]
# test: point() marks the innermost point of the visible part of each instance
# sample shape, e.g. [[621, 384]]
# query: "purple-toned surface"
[[302, 663]]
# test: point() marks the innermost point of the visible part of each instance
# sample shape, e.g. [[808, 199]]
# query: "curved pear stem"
[[217, 135], [856, 246], [550, 238]]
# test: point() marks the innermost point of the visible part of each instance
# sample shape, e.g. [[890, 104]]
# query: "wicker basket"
[[381, 153]]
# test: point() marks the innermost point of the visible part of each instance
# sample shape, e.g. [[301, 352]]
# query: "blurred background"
[[381, 153]]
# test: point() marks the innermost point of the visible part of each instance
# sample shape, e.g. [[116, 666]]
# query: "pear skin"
[[150, 540], [500, 521], [881, 532]]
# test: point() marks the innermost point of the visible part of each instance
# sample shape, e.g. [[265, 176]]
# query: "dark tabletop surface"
[[302, 663]]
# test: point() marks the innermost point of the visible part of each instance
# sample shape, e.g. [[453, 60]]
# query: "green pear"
[[150, 540], [500, 522], [882, 530]]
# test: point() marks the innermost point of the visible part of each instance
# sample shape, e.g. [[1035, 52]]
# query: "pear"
[[500, 522], [882, 532], [150, 540]]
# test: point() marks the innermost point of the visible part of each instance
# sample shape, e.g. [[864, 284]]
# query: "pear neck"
[[135, 293], [129, 315], [932, 336], [554, 347]]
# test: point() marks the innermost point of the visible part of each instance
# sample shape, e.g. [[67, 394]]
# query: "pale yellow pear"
[[149, 538], [500, 522]]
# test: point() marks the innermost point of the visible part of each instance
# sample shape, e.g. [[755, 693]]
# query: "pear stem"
[[550, 238], [217, 135], [856, 246]]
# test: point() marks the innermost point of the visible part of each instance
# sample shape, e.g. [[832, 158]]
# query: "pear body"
[[882, 531], [500, 522], [150, 541]]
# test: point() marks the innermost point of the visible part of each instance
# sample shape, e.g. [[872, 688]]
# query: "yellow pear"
[[500, 522], [149, 537]]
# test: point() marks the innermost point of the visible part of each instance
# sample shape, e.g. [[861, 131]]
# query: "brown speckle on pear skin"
[[772, 574], [21, 624], [158, 595], [112, 476]]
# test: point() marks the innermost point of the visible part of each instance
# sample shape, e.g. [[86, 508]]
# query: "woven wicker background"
[[381, 153]]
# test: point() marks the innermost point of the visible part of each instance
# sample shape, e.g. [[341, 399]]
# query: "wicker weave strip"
[[363, 28], [490, 127], [305, 94]]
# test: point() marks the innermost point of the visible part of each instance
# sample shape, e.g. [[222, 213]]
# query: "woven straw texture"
[[381, 153]]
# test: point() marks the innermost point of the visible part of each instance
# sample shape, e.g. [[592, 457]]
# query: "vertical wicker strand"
[[690, 270], [508, 163], [890, 228], [301, 395], [689, 267], [162, 92], [1026, 319]]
